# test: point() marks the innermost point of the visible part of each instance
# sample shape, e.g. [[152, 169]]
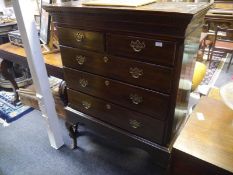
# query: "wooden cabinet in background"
[[221, 14]]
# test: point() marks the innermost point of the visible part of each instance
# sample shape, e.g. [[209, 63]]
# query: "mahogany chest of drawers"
[[129, 70]]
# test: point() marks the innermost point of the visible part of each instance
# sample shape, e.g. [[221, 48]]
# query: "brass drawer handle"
[[105, 59], [135, 72], [79, 36], [137, 45], [83, 82], [134, 124], [80, 59], [136, 99], [86, 104]]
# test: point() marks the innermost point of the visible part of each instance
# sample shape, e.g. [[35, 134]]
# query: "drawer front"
[[81, 39], [123, 69], [152, 50], [148, 102], [131, 121]]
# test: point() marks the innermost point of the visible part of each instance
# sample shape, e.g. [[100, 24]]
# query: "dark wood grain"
[[154, 50], [119, 68], [117, 116], [82, 39], [152, 103]]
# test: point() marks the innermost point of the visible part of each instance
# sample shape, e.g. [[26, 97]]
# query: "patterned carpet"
[[213, 70], [8, 111]]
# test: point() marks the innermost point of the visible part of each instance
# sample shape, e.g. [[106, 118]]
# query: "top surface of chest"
[[160, 18], [161, 6]]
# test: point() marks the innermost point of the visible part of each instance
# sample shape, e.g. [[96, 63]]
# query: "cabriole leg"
[[73, 133]]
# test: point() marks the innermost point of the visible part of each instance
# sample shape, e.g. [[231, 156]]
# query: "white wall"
[[2, 5]]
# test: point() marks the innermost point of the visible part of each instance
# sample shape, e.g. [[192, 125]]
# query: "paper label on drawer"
[[158, 44]]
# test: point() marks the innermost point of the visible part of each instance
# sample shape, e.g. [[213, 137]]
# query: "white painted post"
[[26, 24]]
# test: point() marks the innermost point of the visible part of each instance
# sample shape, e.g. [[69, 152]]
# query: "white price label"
[[158, 44]]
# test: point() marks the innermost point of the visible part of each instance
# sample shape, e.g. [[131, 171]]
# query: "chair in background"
[[223, 43], [206, 42]]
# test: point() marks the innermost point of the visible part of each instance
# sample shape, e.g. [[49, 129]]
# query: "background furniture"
[[129, 70], [58, 87], [17, 54], [226, 93], [224, 43], [4, 29], [206, 42], [6, 73], [220, 15], [205, 144]]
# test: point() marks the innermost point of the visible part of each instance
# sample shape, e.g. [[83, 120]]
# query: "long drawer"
[[147, 49], [150, 76], [81, 39], [142, 100], [133, 122]]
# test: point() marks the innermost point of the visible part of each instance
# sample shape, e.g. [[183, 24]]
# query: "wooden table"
[[17, 54], [205, 145], [11, 53]]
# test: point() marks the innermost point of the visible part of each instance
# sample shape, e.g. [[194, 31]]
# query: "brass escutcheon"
[[136, 99], [105, 59], [80, 59], [86, 104], [137, 45], [134, 124], [135, 72], [79, 36], [83, 82]]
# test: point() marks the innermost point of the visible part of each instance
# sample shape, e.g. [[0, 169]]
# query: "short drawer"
[[135, 98], [147, 49], [81, 39], [128, 120], [146, 75]]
